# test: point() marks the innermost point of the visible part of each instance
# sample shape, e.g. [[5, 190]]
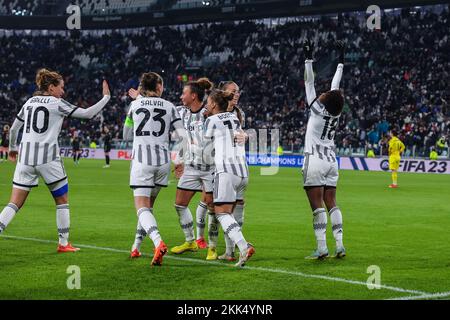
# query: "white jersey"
[[152, 119], [194, 122], [321, 128], [43, 117], [229, 157]]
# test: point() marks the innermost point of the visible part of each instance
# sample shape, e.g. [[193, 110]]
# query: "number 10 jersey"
[[43, 117]]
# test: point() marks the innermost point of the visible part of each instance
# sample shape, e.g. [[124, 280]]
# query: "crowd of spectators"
[[397, 77]]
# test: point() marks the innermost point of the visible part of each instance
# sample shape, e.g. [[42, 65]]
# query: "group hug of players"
[[210, 159]]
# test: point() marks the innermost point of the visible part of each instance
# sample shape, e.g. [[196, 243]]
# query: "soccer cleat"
[[339, 253], [187, 246], [393, 186], [160, 251], [227, 257], [201, 243], [135, 254], [106, 166], [67, 248], [245, 255], [318, 255], [212, 254]]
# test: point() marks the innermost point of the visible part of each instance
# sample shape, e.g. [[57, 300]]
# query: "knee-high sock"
[[79, 156], [7, 215], [139, 237], [320, 227], [74, 157], [200, 220], [63, 223], [213, 230], [231, 228], [1, 155], [394, 177], [238, 214], [148, 223], [336, 225], [186, 222], [107, 160]]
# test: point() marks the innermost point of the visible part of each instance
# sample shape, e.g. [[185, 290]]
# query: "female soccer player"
[[42, 117], [4, 143], [195, 175], [320, 169], [76, 151], [396, 148], [106, 146], [231, 171], [148, 123], [232, 88]]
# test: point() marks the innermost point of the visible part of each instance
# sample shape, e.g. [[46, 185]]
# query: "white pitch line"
[[271, 270], [424, 296]]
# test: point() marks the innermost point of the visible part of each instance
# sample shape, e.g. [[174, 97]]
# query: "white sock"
[[238, 214], [336, 224], [148, 223], [200, 220], [320, 227], [231, 228], [213, 230], [63, 223], [7, 215], [186, 222], [230, 245], [139, 237]]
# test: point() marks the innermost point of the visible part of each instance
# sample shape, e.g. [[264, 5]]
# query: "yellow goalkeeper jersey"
[[396, 147]]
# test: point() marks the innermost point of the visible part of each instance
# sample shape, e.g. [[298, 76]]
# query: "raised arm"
[[308, 49], [340, 46], [337, 77], [92, 111]]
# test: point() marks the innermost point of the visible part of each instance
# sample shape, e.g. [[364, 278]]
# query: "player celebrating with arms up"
[[231, 171], [396, 148], [42, 117], [149, 120], [320, 169]]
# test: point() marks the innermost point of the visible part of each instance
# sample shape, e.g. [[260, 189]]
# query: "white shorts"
[[145, 176], [196, 180], [229, 188], [319, 172], [27, 177]]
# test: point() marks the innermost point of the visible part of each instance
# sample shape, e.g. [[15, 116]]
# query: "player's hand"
[[133, 93], [12, 156], [240, 137], [340, 46], [308, 48], [106, 91], [178, 170]]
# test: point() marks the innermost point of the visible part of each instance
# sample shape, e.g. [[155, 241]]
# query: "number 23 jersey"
[[321, 128], [152, 119], [43, 117]]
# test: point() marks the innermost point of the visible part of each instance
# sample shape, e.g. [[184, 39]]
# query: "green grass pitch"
[[404, 232]]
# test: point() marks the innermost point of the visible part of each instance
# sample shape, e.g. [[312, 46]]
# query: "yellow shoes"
[[187, 246], [212, 254]]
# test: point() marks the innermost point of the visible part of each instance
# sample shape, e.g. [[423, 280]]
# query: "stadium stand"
[[388, 81]]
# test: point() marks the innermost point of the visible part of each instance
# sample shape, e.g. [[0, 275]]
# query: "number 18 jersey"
[[152, 119], [320, 131]]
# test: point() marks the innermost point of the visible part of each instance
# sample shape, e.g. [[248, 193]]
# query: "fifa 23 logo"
[[374, 20], [73, 22]]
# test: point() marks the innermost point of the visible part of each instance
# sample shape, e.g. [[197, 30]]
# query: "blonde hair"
[[45, 78]]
